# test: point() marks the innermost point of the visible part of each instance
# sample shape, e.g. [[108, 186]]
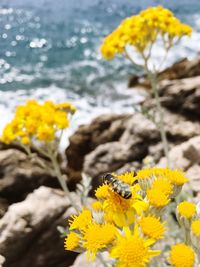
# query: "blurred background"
[[50, 50]]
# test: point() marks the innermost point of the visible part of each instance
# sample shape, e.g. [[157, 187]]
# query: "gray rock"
[[186, 157], [184, 68], [28, 234], [192, 151], [2, 260], [19, 175], [193, 174], [131, 146], [182, 96], [138, 138], [103, 129]]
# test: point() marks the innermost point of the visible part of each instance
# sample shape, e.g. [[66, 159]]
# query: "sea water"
[[49, 49]]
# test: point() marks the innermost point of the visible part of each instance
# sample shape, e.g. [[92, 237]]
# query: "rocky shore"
[[31, 204]]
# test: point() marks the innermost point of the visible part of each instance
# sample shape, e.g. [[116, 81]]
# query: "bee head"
[[106, 177]]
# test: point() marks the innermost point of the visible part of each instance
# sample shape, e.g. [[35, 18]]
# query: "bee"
[[118, 186]]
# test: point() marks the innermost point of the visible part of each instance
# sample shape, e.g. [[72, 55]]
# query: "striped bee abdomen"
[[118, 186]]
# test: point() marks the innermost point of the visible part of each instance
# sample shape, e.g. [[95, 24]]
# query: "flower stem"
[[56, 169], [152, 77], [153, 80], [61, 180], [187, 237]]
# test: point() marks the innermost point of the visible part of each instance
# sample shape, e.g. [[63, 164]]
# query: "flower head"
[[102, 191], [152, 227], [196, 227], [157, 198], [71, 241], [131, 250], [45, 133], [127, 177], [186, 209], [80, 221], [163, 185], [98, 236], [122, 211], [182, 256], [176, 177]]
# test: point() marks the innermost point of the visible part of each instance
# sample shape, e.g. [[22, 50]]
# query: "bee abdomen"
[[123, 190], [118, 186]]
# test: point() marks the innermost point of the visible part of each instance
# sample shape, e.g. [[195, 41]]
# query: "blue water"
[[50, 49]]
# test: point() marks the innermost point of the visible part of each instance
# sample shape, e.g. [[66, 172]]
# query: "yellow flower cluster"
[[128, 228], [142, 30], [168, 181], [35, 121]]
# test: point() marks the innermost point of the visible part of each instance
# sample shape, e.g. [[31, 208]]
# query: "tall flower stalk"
[[141, 32]]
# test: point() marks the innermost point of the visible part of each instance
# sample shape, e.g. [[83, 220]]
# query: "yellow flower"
[[102, 191], [163, 185], [123, 211], [8, 135], [71, 241], [147, 176], [156, 198], [66, 106], [37, 121], [142, 30], [131, 250], [152, 227], [80, 221], [117, 209], [47, 116], [127, 177], [186, 209], [31, 125], [182, 256], [176, 177], [49, 104], [97, 237], [148, 173], [45, 133], [61, 120], [25, 140], [196, 227]]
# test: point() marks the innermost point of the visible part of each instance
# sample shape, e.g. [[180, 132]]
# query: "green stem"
[[152, 77], [198, 256], [56, 170], [61, 180], [187, 237]]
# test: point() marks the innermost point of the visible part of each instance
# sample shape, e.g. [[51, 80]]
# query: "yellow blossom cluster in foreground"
[[142, 30], [130, 229], [37, 122]]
